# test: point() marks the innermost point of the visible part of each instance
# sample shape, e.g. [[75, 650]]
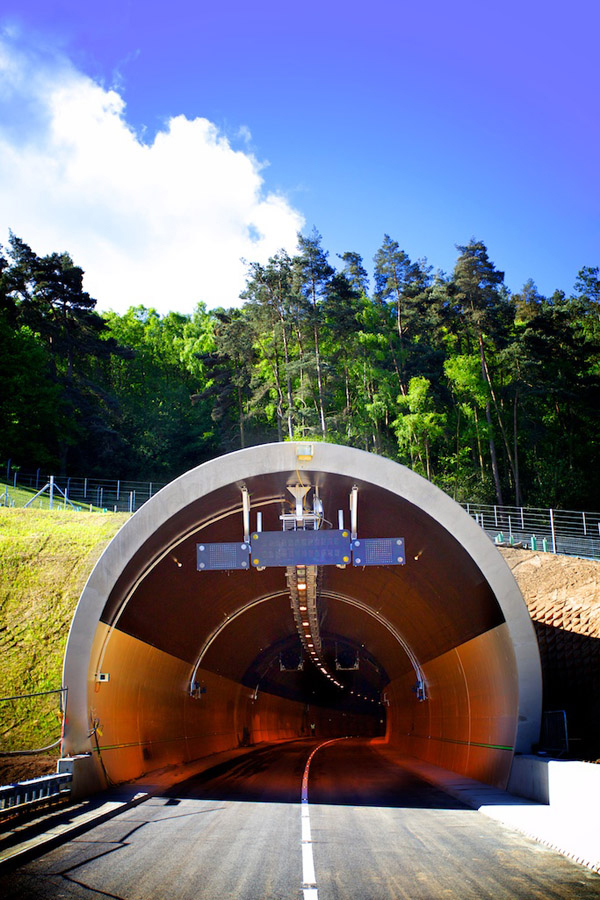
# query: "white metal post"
[[553, 532]]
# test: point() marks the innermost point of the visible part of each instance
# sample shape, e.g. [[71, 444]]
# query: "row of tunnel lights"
[[302, 586]]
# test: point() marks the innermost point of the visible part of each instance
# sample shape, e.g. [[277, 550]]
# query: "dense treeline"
[[494, 396]]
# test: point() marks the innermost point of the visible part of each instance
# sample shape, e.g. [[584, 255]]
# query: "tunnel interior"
[[166, 663]]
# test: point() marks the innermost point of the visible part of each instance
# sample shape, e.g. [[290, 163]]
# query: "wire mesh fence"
[[563, 531], [43, 491], [568, 532], [31, 723]]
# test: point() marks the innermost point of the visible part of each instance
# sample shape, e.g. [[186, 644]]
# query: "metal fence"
[[54, 492], [561, 531], [553, 530], [32, 723]]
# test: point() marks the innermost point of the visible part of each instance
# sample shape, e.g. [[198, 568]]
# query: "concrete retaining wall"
[[562, 783]]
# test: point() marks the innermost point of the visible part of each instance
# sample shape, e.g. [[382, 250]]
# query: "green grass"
[[45, 559]]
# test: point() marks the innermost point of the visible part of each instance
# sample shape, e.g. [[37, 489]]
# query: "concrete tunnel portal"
[[166, 663]]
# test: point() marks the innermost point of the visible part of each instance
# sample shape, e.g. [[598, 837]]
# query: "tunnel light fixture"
[[304, 451], [303, 583], [420, 690]]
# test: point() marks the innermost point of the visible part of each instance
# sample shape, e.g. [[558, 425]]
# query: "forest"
[[492, 395]]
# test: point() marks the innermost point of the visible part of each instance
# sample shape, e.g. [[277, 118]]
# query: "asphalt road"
[[370, 831]]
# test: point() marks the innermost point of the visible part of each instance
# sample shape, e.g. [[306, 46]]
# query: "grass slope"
[[19, 496], [45, 559]]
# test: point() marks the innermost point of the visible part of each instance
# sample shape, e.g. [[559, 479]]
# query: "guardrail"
[[15, 797], [561, 531]]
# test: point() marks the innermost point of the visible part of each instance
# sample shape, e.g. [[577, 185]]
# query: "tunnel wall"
[[146, 718], [482, 692], [467, 723]]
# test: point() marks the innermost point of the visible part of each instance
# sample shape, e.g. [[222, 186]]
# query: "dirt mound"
[[20, 768], [563, 591], [563, 597]]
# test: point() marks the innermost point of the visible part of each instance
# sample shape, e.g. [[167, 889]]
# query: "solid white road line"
[[309, 879]]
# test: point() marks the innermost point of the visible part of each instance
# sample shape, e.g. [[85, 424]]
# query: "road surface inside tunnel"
[[240, 831]]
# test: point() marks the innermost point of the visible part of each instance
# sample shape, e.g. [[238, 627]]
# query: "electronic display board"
[[300, 548], [222, 556], [378, 552]]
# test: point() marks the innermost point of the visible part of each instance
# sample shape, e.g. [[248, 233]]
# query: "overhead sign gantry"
[[302, 542]]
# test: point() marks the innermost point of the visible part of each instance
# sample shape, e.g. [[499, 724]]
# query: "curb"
[[30, 849]]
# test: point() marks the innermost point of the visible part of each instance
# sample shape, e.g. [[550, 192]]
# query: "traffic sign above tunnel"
[[300, 548], [192, 605]]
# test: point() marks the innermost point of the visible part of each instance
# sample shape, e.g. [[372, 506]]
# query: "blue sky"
[[200, 127]]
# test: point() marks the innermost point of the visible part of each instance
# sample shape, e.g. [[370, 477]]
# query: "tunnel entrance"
[[169, 659]]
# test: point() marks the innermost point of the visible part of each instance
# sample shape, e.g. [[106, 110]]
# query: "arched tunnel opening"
[[173, 656]]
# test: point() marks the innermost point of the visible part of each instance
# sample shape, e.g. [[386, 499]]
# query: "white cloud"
[[164, 223]]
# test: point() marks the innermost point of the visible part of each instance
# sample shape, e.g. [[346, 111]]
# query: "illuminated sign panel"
[[300, 548], [378, 552], [222, 556]]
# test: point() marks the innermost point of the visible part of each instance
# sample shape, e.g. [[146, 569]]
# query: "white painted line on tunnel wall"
[[309, 878]]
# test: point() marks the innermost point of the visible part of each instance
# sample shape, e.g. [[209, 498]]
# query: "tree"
[[561, 403], [355, 273], [485, 310], [419, 427], [313, 274], [341, 316], [228, 367], [268, 291], [45, 295], [400, 284], [162, 430], [587, 285], [30, 402]]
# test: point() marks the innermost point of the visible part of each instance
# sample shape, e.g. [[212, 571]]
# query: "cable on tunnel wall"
[[352, 601], [228, 621]]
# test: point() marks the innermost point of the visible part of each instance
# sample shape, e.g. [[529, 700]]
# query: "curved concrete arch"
[[145, 614]]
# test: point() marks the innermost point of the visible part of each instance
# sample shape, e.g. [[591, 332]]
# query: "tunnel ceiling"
[[238, 622]]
